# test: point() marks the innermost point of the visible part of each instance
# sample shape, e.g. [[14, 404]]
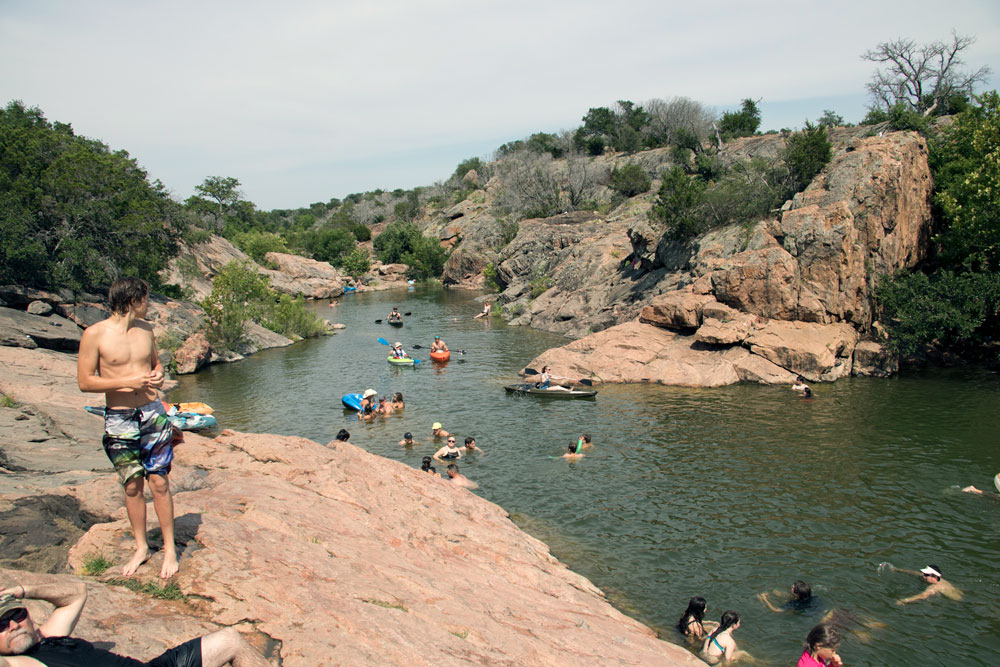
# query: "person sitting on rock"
[[487, 307], [23, 644]]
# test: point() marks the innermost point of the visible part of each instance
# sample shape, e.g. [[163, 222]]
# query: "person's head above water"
[[437, 337], [369, 393], [695, 611], [426, 463], [821, 637], [452, 470], [436, 426], [408, 437], [807, 393], [730, 619], [398, 397], [343, 435], [932, 571], [574, 447], [801, 590]]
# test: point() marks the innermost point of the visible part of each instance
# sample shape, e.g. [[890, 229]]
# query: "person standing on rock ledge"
[[22, 644], [118, 358]]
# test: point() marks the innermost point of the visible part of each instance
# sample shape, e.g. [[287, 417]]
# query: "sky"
[[304, 101]]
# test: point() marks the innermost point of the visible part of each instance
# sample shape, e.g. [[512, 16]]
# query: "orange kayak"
[[440, 355]]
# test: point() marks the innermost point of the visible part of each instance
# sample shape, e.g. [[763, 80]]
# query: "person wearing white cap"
[[935, 584], [397, 351]]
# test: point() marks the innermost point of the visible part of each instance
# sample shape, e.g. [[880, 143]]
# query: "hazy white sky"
[[307, 100]]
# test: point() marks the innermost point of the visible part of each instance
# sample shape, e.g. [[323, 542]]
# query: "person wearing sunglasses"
[[450, 451], [23, 644]]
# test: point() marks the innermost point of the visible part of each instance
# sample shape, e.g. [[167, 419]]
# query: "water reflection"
[[722, 493]]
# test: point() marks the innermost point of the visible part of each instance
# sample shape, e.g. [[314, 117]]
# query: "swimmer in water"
[[936, 584], [437, 431], [459, 479], [470, 446], [397, 401], [343, 435], [800, 384], [450, 452], [801, 598], [573, 452], [426, 466], [720, 645], [692, 624], [585, 442], [407, 440]]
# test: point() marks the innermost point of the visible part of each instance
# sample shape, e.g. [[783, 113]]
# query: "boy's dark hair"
[[801, 590], [469, 439], [126, 293]]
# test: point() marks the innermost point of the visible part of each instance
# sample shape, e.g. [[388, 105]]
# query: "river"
[[722, 493]]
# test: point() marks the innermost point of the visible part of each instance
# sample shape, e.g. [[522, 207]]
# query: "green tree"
[[330, 244], [954, 301], [75, 214], [396, 240], [830, 119], [426, 259], [237, 294], [257, 244], [357, 264], [742, 123]]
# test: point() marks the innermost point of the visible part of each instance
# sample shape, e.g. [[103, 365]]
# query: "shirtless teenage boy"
[[118, 358]]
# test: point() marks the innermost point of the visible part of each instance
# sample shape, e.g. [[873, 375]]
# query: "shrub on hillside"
[[630, 180], [395, 241], [678, 203], [806, 153], [257, 244], [237, 293]]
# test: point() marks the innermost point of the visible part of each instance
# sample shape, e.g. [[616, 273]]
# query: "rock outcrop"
[[319, 554], [795, 290]]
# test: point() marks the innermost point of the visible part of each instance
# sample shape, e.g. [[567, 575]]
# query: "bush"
[[957, 311], [742, 123], [630, 180], [395, 241], [257, 244], [677, 205], [361, 232], [289, 317], [357, 264], [426, 259], [330, 244], [237, 292], [806, 153]]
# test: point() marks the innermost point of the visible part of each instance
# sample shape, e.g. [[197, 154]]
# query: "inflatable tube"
[[352, 401], [185, 421], [440, 355]]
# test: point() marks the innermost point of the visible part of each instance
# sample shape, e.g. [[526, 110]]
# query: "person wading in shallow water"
[[23, 644], [118, 358]]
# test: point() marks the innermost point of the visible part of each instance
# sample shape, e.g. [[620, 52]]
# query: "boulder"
[[39, 308], [84, 314], [815, 351], [52, 332], [194, 353], [676, 310], [195, 266], [717, 332], [873, 359], [296, 274]]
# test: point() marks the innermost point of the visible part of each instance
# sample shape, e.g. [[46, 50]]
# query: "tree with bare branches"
[[923, 77]]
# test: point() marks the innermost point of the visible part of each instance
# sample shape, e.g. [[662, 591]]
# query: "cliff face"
[[774, 290], [321, 555]]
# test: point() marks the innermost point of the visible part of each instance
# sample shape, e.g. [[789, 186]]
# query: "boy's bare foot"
[[140, 556], [170, 566]]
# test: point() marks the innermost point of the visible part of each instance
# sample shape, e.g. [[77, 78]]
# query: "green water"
[[722, 493]]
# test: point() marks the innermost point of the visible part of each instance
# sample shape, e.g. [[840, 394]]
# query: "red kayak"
[[440, 355]]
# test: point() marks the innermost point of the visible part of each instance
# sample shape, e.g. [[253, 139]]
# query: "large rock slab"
[[815, 351], [639, 352], [366, 545], [295, 274], [21, 329]]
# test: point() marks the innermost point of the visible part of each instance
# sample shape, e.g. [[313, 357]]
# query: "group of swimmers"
[[823, 641], [374, 406]]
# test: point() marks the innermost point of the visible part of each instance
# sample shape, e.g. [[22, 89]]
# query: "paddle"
[[378, 321], [583, 381], [385, 342]]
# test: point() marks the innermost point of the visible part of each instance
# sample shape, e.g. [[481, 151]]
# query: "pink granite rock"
[[193, 354]]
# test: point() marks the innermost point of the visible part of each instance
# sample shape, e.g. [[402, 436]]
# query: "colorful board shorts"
[[139, 441]]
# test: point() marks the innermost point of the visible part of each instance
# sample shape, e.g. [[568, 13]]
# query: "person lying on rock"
[[118, 358], [23, 644]]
